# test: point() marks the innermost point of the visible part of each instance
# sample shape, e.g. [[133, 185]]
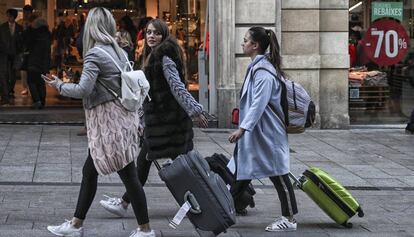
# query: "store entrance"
[[185, 19]]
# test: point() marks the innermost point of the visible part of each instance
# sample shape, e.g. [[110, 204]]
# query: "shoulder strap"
[[283, 100], [113, 60], [108, 89]]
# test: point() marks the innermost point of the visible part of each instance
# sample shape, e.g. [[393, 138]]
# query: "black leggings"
[[128, 176], [37, 87], [284, 190], [143, 168]]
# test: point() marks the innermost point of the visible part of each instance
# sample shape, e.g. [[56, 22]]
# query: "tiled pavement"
[[40, 171]]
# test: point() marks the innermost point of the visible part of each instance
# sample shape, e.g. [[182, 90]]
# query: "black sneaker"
[[241, 212], [36, 105], [409, 129]]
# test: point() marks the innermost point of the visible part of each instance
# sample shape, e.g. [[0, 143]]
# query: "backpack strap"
[[119, 68], [113, 60], [283, 100]]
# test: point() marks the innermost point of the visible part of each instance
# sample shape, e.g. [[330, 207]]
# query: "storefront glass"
[[185, 18], [186, 21], [381, 47]]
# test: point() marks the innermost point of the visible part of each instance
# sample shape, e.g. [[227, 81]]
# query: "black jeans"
[[4, 86], [284, 190], [128, 176], [143, 168], [37, 87], [11, 74]]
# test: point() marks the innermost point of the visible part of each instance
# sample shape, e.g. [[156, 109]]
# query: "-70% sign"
[[386, 42]]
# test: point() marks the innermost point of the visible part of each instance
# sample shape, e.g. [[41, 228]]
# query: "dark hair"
[[143, 22], [130, 28], [129, 25], [12, 12], [32, 18], [168, 47], [28, 8], [267, 39], [162, 27]]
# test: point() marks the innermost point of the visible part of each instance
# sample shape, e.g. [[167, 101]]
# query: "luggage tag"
[[180, 215]]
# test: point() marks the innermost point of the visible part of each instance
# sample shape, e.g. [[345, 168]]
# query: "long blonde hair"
[[100, 27]]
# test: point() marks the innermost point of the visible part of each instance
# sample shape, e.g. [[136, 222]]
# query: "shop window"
[[381, 49], [186, 22]]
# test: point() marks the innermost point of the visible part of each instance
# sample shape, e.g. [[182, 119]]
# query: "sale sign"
[[386, 42]]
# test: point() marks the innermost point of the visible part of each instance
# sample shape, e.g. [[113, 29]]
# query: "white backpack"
[[299, 110], [134, 85]]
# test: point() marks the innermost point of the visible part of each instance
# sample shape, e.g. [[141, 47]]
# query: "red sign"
[[386, 42]]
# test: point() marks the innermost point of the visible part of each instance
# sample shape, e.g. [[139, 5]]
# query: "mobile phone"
[[45, 77]]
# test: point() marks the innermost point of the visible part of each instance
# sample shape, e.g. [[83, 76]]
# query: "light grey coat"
[[96, 66], [263, 150]]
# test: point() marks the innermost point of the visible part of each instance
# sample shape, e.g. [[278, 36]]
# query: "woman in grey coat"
[[262, 148], [112, 130]]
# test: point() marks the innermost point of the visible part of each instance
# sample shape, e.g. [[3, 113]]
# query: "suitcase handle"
[[297, 181], [195, 207]]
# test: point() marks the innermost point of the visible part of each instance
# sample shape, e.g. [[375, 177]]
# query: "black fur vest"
[[168, 128]]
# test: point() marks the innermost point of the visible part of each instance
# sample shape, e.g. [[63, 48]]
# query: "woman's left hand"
[[236, 135], [52, 80], [202, 121]]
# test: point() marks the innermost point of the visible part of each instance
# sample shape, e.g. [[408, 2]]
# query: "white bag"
[[134, 85]]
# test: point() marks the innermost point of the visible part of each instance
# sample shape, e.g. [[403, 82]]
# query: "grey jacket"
[[97, 68]]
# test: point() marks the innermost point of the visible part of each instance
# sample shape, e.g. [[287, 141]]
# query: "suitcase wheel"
[[347, 225], [195, 207], [360, 212]]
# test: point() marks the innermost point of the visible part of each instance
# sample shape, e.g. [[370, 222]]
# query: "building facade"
[[314, 42], [316, 38]]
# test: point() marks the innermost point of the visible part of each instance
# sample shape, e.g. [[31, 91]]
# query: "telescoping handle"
[[297, 182], [157, 165]]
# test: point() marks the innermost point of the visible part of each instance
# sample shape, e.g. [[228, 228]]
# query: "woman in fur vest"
[[168, 115]]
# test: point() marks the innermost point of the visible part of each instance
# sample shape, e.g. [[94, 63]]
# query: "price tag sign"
[[386, 42]]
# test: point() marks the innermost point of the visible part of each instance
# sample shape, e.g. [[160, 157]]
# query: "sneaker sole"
[[112, 211], [55, 233], [284, 230], [51, 231]]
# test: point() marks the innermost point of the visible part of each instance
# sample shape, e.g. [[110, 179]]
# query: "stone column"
[[300, 45], [334, 54], [234, 18], [225, 70]]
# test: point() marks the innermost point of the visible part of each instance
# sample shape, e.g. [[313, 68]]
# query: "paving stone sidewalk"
[[40, 171]]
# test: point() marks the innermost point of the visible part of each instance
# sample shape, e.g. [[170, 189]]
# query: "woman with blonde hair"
[[112, 131]]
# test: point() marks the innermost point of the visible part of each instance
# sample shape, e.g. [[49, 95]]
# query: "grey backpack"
[[298, 108]]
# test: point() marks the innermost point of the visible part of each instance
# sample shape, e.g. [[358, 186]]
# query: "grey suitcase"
[[189, 178]]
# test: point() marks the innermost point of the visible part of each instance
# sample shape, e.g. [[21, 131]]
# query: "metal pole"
[[212, 58]]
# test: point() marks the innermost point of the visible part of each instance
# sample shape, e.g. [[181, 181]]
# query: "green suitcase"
[[329, 195]]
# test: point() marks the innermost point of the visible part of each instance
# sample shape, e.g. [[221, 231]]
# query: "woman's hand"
[[52, 80], [236, 135], [202, 121]]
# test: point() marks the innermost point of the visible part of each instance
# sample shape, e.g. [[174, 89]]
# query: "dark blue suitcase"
[[189, 178]]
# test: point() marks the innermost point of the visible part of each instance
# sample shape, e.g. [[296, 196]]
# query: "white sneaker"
[[138, 233], [114, 206], [66, 229], [282, 224]]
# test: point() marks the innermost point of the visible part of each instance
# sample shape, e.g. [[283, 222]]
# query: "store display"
[[368, 90]]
